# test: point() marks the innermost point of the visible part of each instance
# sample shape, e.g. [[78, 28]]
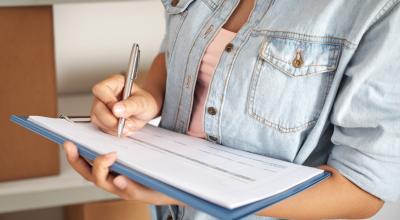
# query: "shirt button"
[[209, 29], [229, 47], [297, 63], [298, 60], [212, 111], [212, 138], [174, 2]]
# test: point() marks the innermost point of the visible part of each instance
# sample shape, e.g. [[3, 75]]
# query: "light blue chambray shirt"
[[307, 81]]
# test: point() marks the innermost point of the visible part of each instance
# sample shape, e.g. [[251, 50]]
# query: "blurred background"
[[51, 53]]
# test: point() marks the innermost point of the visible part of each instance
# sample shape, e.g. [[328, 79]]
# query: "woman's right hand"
[[138, 109]]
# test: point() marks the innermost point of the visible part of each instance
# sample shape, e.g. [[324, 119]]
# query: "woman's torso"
[[275, 84]]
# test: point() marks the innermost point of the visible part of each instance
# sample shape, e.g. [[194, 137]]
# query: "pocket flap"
[[300, 58], [178, 7]]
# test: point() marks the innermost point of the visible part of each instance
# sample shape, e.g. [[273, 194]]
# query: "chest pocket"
[[290, 82]]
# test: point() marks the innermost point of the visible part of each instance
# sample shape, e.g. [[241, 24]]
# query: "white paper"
[[224, 176]]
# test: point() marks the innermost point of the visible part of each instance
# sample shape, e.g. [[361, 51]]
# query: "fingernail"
[[120, 182], [111, 156], [119, 109]]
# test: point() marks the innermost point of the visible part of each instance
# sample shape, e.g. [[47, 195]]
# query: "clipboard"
[[187, 198]]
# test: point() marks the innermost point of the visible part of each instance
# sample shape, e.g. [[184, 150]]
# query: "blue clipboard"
[[187, 198]]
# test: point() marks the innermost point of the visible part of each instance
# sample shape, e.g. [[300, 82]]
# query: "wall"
[[95, 39]]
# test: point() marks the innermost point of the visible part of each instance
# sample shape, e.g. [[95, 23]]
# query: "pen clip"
[[75, 119]]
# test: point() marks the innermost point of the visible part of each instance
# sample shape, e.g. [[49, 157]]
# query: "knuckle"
[[118, 78], [97, 88], [96, 107]]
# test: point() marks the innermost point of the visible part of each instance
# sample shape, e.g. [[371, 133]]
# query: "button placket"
[[211, 117], [210, 124]]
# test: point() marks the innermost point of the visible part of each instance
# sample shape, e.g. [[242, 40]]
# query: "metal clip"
[[75, 119]]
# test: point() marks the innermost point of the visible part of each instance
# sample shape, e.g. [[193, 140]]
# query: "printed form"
[[222, 175]]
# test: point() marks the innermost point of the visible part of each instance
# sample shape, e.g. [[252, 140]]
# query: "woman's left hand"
[[118, 185]]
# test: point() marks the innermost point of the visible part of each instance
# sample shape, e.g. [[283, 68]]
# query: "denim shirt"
[[306, 81]]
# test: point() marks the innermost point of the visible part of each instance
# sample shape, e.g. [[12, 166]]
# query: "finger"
[[109, 89], [134, 191], [98, 124], [77, 163], [133, 106], [104, 116], [126, 132], [100, 172], [127, 188], [134, 124]]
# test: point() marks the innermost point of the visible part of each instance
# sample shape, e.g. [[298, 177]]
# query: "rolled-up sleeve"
[[366, 113]]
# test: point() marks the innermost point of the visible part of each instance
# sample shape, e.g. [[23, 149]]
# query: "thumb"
[[134, 105], [132, 190]]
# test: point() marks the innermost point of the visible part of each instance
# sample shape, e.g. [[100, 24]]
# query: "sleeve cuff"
[[378, 175]]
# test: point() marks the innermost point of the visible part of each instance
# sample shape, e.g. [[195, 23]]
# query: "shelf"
[[64, 189], [45, 192], [9, 3]]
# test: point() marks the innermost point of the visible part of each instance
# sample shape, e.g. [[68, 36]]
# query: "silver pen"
[[130, 77]]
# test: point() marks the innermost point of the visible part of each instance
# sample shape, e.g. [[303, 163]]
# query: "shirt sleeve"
[[366, 113]]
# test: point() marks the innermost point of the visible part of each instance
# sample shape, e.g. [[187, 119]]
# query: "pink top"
[[207, 68]]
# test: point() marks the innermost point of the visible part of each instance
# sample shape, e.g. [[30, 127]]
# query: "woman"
[[311, 82]]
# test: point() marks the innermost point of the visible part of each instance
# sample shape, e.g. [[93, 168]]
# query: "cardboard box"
[[109, 210], [27, 86]]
